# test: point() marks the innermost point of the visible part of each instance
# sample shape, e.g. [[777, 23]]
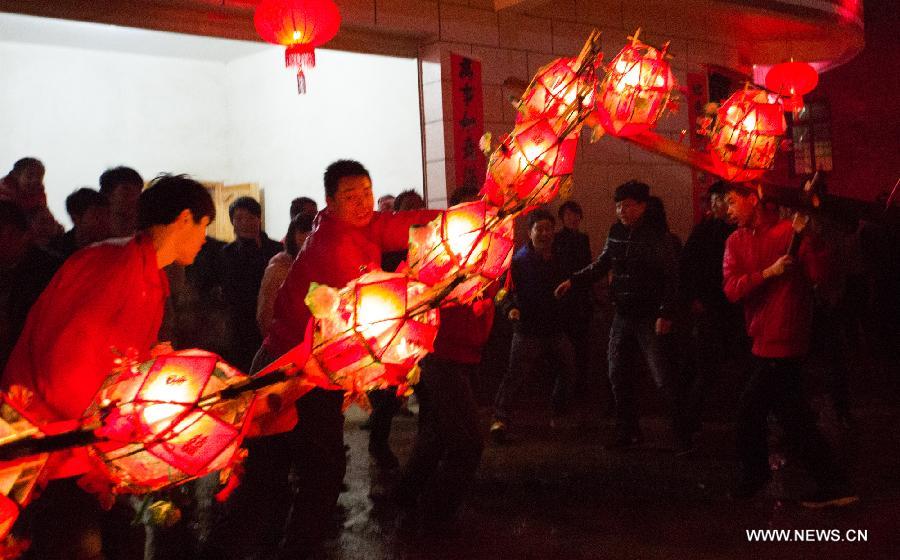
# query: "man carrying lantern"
[[349, 237], [644, 292], [104, 303], [449, 442], [774, 284]]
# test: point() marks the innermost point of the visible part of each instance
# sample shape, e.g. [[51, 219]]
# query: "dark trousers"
[[448, 444], [385, 406], [717, 335], [774, 386], [297, 475], [626, 335], [524, 354]]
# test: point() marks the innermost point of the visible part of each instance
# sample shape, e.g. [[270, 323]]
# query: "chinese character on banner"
[[468, 121], [697, 98]]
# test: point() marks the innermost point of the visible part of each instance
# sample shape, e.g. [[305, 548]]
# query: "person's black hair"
[[540, 215], [743, 189], [13, 215], [340, 169], [248, 203], [635, 190], [298, 203], [83, 199], [655, 215], [113, 178], [463, 194], [169, 195], [27, 163], [571, 206], [719, 187], [302, 223], [408, 200]]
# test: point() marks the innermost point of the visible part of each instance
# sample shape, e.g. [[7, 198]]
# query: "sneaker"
[[498, 431], [624, 441], [384, 458], [822, 500], [747, 489]]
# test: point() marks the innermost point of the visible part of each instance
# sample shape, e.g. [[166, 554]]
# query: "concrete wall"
[[516, 44]]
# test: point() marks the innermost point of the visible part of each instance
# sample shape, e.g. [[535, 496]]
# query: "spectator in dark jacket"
[[572, 249], [643, 289], [25, 270], [715, 322], [245, 260], [538, 322], [89, 211]]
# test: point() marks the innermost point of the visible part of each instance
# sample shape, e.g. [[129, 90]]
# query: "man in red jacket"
[[107, 300], [449, 443], [348, 238], [775, 289]]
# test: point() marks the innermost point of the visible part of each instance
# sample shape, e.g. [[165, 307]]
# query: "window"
[[810, 131]]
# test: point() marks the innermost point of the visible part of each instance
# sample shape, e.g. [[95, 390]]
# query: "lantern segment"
[[636, 89], [792, 80], [745, 137], [299, 25], [525, 170], [165, 423], [382, 327], [558, 91], [18, 478], [454, 241], [496, 261]]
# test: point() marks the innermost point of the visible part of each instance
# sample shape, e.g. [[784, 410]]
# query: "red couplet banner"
[[468, 121]]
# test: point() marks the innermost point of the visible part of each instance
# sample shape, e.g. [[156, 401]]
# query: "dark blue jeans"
[[523, 359], [626, 336]]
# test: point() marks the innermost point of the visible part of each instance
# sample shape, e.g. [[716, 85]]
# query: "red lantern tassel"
[[300, 57], [301, 82]]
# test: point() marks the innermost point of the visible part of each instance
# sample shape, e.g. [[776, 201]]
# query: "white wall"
[[82, 111], [236, 119], [357, 107]]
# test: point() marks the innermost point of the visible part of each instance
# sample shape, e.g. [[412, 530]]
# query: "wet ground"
[[558, 494]]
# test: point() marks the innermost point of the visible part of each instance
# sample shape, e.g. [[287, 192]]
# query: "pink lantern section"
[[18, 478], [165, 422], [558, 91], [382, 327], [636, 89], [746, 135]]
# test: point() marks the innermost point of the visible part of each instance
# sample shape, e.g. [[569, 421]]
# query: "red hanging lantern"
[[18, 478], [636, 89], [299, 25], [373, 331], [745, 137], [792, 80], [558, 91], [165, 423]]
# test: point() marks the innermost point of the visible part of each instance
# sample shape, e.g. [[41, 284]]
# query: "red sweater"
[[333, 255], [778, 310], [464, 331], [106, 298]]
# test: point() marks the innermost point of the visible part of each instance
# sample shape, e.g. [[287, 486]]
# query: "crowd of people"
[[137, 268]]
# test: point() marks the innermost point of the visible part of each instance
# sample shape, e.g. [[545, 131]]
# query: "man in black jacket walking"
[[644, 291]]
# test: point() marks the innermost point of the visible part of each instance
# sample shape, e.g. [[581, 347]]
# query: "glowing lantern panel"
[[745, 138], [299, 25], [496, 261], [557, 91], [18, 478], [383, 326], [635, 91], [454, 241], [165, 424]]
